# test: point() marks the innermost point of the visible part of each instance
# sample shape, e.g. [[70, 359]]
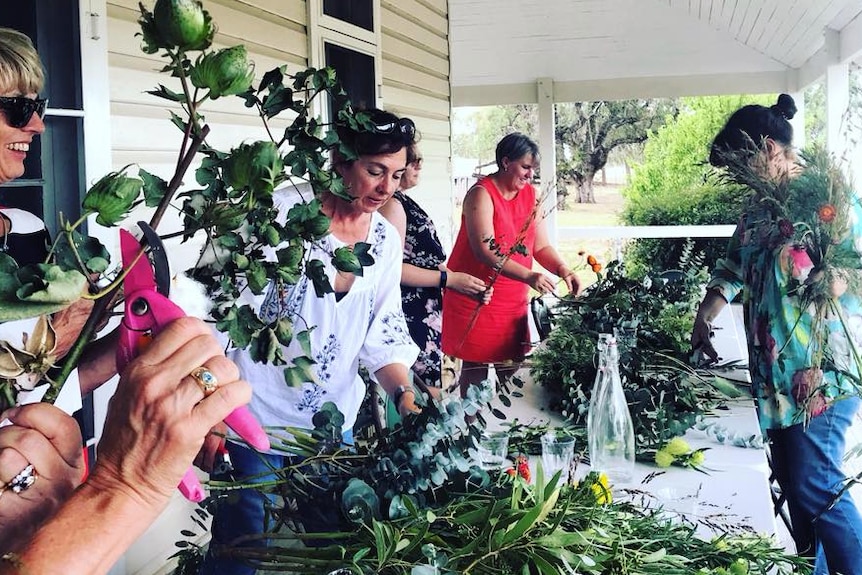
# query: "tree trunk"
[[585, 191]]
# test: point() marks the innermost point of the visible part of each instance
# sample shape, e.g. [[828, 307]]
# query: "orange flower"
[[596, 267], [827, 213], [591, 260]]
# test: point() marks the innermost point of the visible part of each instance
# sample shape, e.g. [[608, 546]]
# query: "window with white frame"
[[345, 35]]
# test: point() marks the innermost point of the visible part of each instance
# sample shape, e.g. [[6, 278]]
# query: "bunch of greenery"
[[232, 207], [511, 526], [665, 397]]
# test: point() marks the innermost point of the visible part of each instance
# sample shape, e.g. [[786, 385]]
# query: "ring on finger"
[[205, 379], [24, 480]]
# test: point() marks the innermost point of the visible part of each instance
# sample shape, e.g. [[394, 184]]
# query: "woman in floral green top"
[[800, 356]]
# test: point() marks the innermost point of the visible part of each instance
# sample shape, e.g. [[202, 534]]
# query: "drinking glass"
[[493, 448], [558, 452]]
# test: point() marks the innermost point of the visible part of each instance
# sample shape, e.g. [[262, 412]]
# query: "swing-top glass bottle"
[[610, 432]]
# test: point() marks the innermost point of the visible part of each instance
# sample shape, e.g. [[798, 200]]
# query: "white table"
[[734, 494]]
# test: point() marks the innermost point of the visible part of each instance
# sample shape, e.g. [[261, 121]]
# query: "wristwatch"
[[444, 277], [402, 389]]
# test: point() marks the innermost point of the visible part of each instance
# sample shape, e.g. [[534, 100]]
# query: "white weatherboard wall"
[[415, 82]]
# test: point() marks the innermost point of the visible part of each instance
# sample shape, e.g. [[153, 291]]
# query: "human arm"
[[548, 257], [98, 363], [711, 305], [48, 439], [395, 381], [479, 222], [156, 423]]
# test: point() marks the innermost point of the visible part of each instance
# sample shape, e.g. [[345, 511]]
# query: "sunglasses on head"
[[403, 125], [19, 109]]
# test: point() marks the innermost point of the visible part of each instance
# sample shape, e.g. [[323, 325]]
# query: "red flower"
[[827, 213], [597, 268], [523, 465], [591, 260]]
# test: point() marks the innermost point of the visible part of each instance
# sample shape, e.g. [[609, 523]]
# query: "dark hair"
[[413, 154], [515, 145], [748, 127], [383, 133]]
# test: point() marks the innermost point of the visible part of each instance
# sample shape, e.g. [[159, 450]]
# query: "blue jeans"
[[807, 464], [245, 511]]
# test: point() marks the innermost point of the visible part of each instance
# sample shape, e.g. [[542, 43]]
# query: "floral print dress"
[[422, 305], [781, 333]]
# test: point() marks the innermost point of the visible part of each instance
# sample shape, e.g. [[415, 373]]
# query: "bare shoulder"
[[392, 209], [477, 197]]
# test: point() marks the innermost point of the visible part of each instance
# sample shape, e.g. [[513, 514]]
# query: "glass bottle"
[[610, 432]]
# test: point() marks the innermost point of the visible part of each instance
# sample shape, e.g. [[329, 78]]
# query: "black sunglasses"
[[403, 125], [19, 109]]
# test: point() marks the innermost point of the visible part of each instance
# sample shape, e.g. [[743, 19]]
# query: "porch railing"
[[620, 233]]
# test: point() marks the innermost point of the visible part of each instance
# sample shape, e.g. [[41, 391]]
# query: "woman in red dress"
[[501, 224]]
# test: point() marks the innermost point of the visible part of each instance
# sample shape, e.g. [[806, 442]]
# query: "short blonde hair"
[[20, 66]]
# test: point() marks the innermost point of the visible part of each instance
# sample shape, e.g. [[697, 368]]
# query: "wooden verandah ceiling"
[[616, 49]]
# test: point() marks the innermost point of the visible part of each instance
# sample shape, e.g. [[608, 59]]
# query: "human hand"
[[701, 338], [48, 439], [573, 283], [159, 417], [469, 285], [541, 283], [212, 447]]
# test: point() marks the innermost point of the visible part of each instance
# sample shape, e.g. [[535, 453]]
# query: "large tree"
[[482, 128], [587, 132]]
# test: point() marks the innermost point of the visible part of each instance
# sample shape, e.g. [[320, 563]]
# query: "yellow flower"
[[697, 458], [663, 458], [677, 446], [602, 490]]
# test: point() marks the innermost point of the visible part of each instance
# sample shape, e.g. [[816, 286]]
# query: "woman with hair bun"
[[807, 438]]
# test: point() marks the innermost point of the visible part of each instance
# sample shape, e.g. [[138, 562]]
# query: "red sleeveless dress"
[[500, 331]]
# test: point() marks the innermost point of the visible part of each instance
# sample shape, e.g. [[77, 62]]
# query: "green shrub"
[[669, 187], [704, 204]]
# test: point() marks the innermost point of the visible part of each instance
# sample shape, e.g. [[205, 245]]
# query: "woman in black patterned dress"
[[424, 275]]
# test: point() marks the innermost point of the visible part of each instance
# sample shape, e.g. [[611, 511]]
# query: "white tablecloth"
[[733, 492]]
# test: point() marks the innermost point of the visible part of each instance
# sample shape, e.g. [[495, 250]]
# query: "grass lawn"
[[605, 212]]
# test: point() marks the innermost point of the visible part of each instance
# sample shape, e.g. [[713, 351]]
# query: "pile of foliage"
[[664, 396], [415, 503]]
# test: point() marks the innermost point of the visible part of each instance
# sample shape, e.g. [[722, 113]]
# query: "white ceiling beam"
[[851, 39], [629, 88], [838, 48]]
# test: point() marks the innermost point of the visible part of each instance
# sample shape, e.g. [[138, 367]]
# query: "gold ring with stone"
[[205, 379], [24, 480]]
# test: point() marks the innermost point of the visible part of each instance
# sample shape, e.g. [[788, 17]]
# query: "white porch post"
[[837, 102], [548, 151], [837, 83], [798, 121]]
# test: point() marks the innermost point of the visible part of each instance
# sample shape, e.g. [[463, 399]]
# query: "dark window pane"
[[357, 12], [23, 195], [63, 169], [355, 71]]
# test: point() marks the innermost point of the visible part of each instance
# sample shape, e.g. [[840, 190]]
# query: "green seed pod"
[[284, 331], [254, 167], [224, 73], [112, 198], [183, 24]]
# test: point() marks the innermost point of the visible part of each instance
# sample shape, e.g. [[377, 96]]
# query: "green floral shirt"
[[781, 333]]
